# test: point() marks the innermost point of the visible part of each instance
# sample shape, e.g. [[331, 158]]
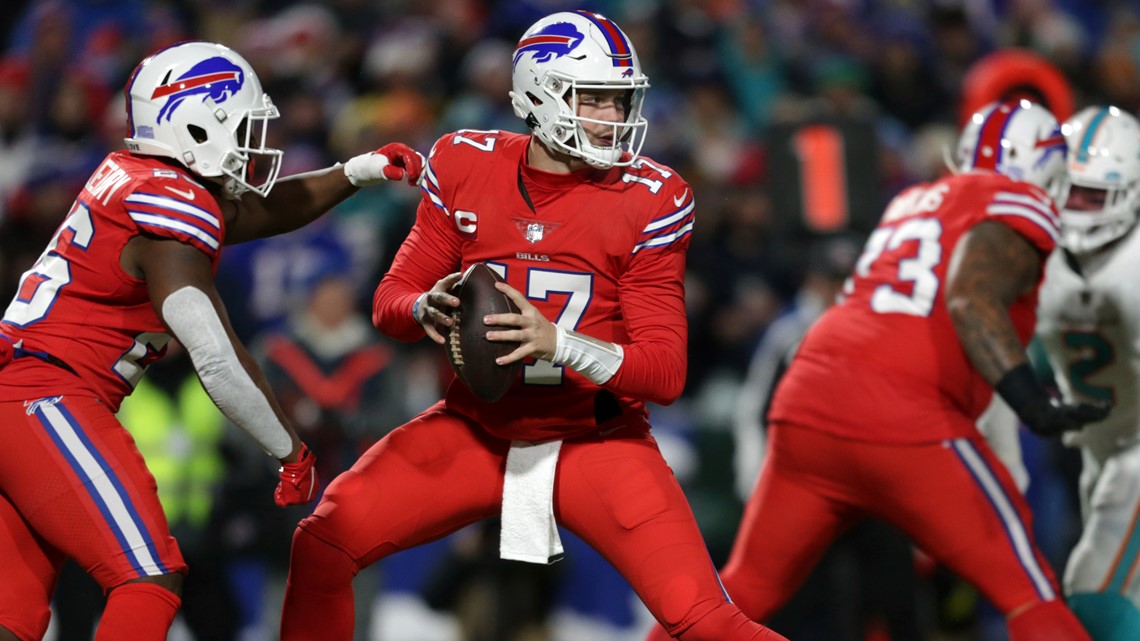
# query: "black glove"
[[1041, 413], [1053, 418]]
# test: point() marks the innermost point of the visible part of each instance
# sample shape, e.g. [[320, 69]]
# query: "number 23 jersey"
[[598, 251], [886, 364]]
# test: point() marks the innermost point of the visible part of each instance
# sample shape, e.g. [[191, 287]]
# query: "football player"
[[586, 232], [1089, 323], [131, 265], [876, 413]]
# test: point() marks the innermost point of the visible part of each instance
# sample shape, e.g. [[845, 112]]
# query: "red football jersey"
[[77, 303], [600, 252], [886, 363]]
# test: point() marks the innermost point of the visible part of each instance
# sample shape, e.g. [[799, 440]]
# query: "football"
[[472, 356]]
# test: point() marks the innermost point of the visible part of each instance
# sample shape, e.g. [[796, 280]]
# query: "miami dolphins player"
[[1089, 322]]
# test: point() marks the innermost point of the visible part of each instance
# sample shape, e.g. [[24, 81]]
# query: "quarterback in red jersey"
[[585, 232], [132, 264], [875, 416]]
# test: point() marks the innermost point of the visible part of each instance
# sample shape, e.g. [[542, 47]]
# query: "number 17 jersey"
[[886, 364]]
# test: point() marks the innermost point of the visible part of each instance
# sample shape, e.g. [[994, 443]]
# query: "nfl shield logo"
[[534, 232]]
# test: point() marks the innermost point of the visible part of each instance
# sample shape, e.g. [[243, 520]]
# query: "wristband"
[[416, 306], [1019, 388], [596, 360]]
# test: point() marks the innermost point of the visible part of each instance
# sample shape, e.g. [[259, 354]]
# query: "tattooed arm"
[[991, 267]]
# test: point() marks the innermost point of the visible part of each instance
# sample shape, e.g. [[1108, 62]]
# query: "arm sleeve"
[[653, 303], [430, 252]]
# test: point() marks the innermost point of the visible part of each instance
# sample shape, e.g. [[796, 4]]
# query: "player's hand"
[[298, 483], [536, 335], [434, 307], [394, 161], [1052, 418]]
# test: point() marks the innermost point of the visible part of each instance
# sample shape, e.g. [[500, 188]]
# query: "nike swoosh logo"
[[188, 194], [677, 200], [610, 431]]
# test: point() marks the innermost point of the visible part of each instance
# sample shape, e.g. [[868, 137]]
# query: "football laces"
[[453, 339]]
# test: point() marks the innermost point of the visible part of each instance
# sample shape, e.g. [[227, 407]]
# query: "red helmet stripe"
[[620, 50], [990, 135]]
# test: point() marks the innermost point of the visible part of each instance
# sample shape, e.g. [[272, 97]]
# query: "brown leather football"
[[472, 356]]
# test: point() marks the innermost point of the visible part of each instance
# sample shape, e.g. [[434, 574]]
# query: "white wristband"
[[366, 169], [595, 359]]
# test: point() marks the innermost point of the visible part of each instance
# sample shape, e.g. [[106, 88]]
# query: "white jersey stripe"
[[430, 175], [173, 204], [664, 240], [1024, 212], [1014, 527], [101, 484], [670, 219], [156, 220], [1005, 197], [430, 187]]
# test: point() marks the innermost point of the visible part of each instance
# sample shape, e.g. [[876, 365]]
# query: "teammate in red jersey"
[[131, 264], [875, 416], [585, 232]]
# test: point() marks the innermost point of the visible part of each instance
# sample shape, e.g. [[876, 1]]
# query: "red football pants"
[[72, 485], [441, 472], [954, 499]]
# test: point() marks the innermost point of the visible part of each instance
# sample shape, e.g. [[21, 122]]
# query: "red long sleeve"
[[653, 303]]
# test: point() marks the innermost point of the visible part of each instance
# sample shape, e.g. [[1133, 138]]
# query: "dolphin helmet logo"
[[553, 41], [216, 78]]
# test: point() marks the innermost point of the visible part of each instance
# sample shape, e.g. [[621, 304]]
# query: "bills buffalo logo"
[[553, 41], [216, 78]]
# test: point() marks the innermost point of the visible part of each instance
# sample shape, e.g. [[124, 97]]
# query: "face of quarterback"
[[604, 106]]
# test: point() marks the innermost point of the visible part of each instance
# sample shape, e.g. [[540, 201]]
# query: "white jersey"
[[1089, 322]]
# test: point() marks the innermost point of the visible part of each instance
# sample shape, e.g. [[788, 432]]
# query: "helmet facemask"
[[252, 164]]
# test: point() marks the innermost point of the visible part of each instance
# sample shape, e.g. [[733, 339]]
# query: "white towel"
[[529, 532]]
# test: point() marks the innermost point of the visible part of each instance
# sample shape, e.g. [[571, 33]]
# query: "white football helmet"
[[1020, 139], [567, 53], [1104, 155], [202, 105]]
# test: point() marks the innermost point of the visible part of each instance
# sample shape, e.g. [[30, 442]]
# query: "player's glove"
[[1041, 413], [298, 480], [394, 161]]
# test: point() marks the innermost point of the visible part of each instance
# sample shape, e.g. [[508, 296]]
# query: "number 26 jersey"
[[79, 305], [886, 364]]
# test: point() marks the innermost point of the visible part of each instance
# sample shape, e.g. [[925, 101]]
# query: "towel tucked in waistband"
[[529, 532]]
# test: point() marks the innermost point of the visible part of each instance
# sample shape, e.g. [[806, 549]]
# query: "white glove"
[[394, 161]]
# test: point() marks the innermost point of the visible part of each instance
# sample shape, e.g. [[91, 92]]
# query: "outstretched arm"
[[181, 288], [298, 200]]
